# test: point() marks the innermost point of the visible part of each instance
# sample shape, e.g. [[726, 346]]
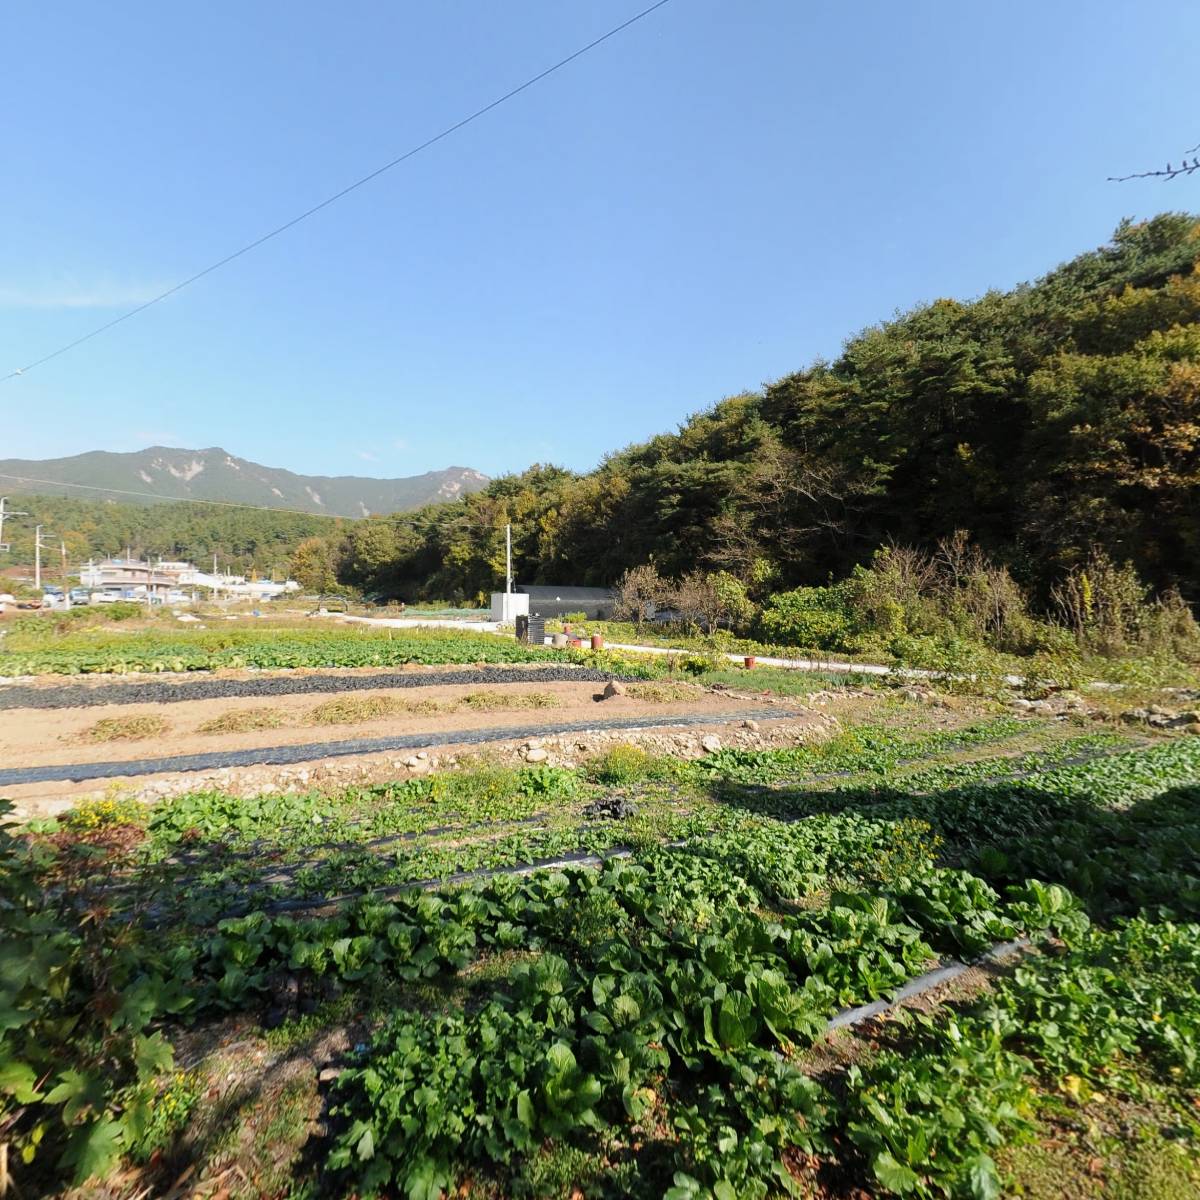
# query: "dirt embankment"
[[46, 737]]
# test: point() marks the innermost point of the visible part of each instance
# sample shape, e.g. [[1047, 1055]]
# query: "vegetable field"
[[652, 1023], [265, 646]]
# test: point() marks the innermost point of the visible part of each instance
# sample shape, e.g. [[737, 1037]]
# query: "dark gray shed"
[[549, 600]]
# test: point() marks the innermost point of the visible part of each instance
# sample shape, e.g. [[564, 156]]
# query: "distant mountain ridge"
[[215, 474]]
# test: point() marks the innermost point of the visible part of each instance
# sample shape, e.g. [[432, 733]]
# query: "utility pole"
[[4, 515], [62, 545], [508, 559], [37, 557]]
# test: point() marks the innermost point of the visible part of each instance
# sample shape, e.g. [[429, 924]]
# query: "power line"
[[91, 487], [316, 208]]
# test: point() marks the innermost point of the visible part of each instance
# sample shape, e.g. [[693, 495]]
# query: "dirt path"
[[361, 766], [304, 752], [41, 738]]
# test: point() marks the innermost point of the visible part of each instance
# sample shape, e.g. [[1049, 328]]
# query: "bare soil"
[[38, 737], [41, 737]]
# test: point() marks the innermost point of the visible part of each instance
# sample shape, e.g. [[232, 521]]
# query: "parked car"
[[80, 595], [104, 598]]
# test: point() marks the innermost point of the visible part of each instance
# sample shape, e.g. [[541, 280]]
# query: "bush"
[[80, 992], [621, 764], [808, 616]]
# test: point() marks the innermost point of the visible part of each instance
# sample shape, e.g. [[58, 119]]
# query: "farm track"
[[310, 751], [87, 696]]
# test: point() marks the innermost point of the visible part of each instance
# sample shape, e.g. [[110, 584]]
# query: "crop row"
[[685, 927], [275, 648], [271, 848], [494, 793], [657, 1008]]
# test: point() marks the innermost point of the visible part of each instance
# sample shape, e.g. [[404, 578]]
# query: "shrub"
[[637, 594], [736, 607], [807, 616], [620, 765], [80, 992]]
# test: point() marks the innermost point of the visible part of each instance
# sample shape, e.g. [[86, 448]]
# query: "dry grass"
[[429, 708], [125, 729], [244, 720], [503, 701], [663, 693], [350, 710]]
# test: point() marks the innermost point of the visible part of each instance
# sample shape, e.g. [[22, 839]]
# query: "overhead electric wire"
[[316, 208]]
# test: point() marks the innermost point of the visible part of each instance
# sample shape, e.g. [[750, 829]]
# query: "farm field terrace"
[[39, 646], [291, 996], [33, 736]]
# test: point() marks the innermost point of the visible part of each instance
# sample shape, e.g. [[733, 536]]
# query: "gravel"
[[88, 696], [309, 751]]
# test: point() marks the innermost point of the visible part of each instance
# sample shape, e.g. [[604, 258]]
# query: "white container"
[[508, 606]]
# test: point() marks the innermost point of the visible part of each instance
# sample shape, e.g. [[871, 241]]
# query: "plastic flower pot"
[[750, 661], [597, 641]]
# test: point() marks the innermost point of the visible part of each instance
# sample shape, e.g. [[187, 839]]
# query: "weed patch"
[[663, 693]]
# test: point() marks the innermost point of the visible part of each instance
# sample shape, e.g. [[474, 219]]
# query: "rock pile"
[[563, 750], [1158, 717]]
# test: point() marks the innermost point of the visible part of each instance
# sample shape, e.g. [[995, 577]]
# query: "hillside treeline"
[[1051, 421], [243, 539]]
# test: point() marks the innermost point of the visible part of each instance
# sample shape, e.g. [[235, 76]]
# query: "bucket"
[[597, 641], [750, 662]]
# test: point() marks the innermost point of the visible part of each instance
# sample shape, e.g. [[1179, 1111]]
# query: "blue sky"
[[711, 199]]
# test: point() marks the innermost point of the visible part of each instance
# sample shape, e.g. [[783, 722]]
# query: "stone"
[[329, 1074], [1185, 719], [612, 808], [412, 762], [614, 687], [710, 743], [1192, 728], [1136, 716], [536, 755], [750, 725]]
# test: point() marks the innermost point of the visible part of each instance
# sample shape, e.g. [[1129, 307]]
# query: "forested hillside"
[[242, 538], [1048, 420]]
